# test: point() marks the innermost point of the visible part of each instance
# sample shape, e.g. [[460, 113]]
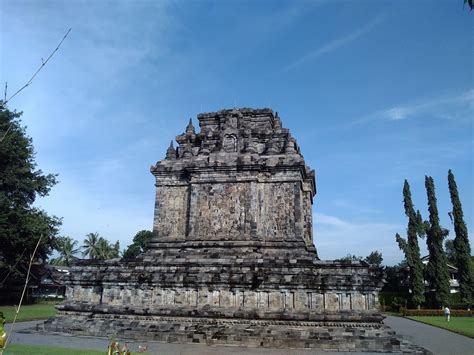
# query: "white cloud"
[[335, 44], [84, 211], [330, 221], [450, 107], [335, 238], [354, 207], [399, 113]]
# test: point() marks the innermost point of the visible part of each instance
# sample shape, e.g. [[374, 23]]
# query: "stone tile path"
[[438, 341]]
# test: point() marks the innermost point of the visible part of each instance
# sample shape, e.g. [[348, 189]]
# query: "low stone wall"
[[158, 298], [340, 336], [252, 300], [226, 286]]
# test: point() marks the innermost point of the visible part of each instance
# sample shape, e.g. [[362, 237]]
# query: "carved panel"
[[170, 211], [276, 213], [220, 210], [229, 144]]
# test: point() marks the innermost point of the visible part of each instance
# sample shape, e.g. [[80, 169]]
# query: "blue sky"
[[375, 92]]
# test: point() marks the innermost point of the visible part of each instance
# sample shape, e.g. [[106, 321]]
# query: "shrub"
[[391, 301], [460, 306], [403, 311], [435, 312]]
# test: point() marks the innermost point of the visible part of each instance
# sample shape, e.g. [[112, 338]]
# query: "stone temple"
[[233, 259]]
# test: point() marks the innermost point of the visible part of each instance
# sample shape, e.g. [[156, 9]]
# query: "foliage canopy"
[[67, 248], [411, 249], [437, 269], [462, 248], [140, 242], [21, 224], [97, 247]]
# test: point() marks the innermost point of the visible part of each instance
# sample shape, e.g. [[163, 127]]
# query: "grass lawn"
[[17, 349], [29, 312], [395, 314], [461, 325]]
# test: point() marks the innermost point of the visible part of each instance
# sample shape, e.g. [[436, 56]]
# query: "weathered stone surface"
[[341, 336], [241, 178], [232, 259]]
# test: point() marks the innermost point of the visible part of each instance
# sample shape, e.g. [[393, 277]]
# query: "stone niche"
[[232, 260]]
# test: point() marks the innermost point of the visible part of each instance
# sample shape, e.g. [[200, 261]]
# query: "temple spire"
[[277, 122], [290, 147], [190, 128], [171, 152]]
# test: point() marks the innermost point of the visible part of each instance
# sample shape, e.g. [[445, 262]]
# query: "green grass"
[[29, 312], [390, 313], [17, 349], [461, 325]]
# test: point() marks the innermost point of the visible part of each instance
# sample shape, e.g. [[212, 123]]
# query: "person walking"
[[447, 313]]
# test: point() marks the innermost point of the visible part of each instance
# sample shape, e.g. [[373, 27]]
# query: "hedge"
[[391, 301], [435, 312]]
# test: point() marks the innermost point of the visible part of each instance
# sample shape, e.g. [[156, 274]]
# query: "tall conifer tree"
[[461, 244], [411, 249], [437, 270]]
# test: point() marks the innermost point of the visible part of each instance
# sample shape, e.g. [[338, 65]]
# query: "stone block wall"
[[302, 289], [227, 210], [282, 300], [242, 177]]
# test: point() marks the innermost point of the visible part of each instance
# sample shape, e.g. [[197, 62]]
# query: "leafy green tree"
[[461, 244], [450, 251], [66, 247], [395, 278], [374, 259], [21, 182], [411, 249], [132, 251], [140, 242], [349, 258], [437, 269]]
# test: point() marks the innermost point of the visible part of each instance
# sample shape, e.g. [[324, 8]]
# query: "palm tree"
[[97, 247], [103, 249], [66, 246], [116, 249], [107, 250], [90, 247]]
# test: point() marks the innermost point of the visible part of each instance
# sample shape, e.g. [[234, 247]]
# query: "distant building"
[[47, 281], [453, 276], [404, 275]]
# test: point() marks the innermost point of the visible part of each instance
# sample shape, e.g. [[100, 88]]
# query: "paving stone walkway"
[[437, 340]]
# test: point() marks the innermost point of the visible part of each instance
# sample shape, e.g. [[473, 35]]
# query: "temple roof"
[[235, 139], [243, 131]]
